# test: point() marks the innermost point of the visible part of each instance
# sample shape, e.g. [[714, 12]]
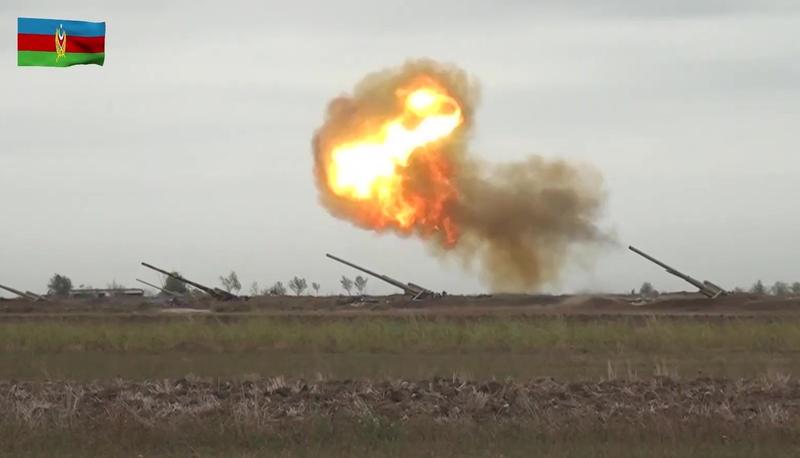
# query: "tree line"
[[299, 285], [61, 285]]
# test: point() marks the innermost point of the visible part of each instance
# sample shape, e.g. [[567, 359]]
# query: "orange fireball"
[[392, 155], [394, 171]]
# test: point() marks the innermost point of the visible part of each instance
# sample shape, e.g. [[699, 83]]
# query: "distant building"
[[93, 293]]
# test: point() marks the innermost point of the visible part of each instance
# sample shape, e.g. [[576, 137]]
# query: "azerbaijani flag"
[[60, 43]]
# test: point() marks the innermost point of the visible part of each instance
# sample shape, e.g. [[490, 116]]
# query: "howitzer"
[[410, 289], [165, 291], [26, 295], [36, 297], [706, 288], [216, 293]]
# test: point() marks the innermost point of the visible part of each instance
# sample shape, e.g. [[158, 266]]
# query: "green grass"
[[392, 335], [563, 364], [397, 347]]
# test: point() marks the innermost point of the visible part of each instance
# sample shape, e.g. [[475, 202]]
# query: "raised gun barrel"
[[29, 296], [216, 293], [36, 297], [165, 291], [706, 288], [408, 288]]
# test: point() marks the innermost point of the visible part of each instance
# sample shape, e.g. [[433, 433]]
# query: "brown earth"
[[503, 304], [769, 401]]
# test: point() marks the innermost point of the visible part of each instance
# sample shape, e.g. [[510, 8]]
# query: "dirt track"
[[678, 304]]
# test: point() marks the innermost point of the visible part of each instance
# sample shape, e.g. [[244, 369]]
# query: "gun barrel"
[[406, 288], [213, 292], [419, 288], [706, 288], [669, 269], [687, 278], [18, 292], [180, 278], [35, 296], [169, 274], [650, 258], [165, 291]]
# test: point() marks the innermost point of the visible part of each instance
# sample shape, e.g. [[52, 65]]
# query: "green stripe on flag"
[[48, 59]]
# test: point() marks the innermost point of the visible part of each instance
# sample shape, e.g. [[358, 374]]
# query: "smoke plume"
[[515, 222]]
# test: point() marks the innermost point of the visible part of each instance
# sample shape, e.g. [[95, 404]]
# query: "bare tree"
[[796, 288], [277, 289], [254, 289], [316, 287], [779, 288], [360, 284], [347, 285], [298, 285], [59, 285], [758, 288], [231, 282]]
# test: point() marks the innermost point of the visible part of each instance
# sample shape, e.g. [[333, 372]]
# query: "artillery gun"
[[36, 297], [160, 289], [26, 295], [708, 289], [415, 291], [216, 293]]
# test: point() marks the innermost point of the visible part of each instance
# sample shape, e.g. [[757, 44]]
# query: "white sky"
[[190, 148]]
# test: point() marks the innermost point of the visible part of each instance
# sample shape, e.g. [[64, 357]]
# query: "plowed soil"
[[768, 401]]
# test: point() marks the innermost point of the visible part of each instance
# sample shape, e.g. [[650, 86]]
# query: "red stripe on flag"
[[35, 42]]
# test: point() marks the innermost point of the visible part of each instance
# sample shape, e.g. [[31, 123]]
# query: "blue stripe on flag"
[[49, 26]]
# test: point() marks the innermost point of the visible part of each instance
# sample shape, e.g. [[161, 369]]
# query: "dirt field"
[[666, 304], [464, 376], [768, 401], [438, 417]]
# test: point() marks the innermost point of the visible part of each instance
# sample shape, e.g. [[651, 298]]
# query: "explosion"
[[392, 156], [372, 166]]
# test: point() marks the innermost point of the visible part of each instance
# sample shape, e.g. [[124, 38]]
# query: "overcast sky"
[[190, 148]]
